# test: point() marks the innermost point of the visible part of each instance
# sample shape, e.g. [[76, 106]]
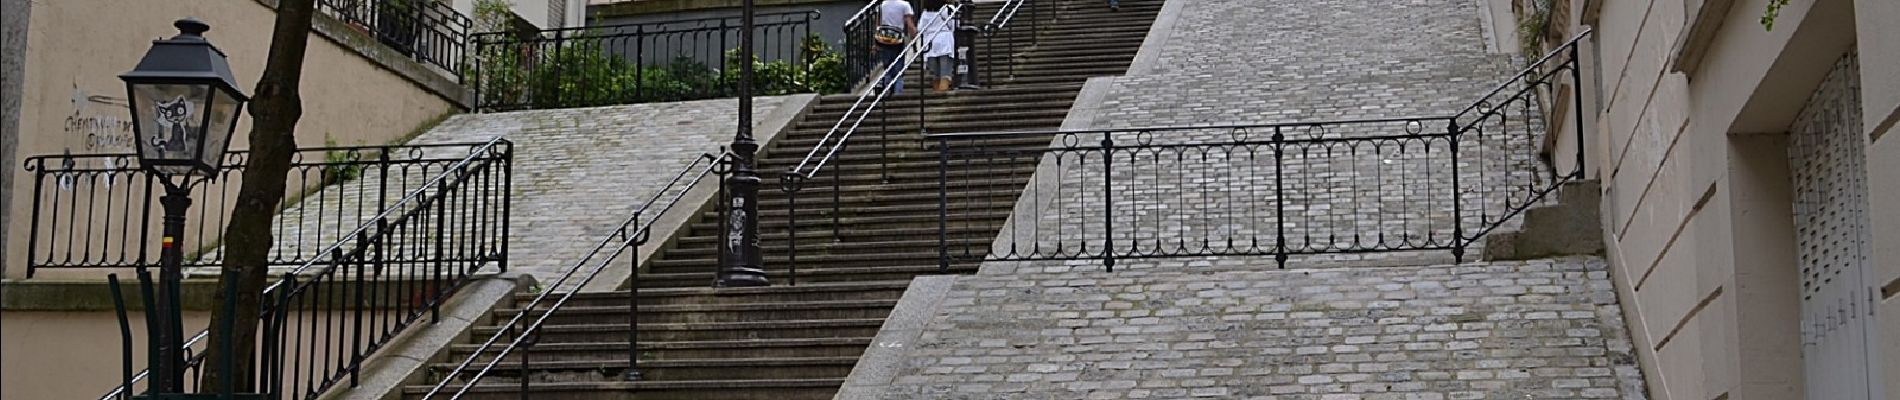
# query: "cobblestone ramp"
[[1238, 329], [799, 342]]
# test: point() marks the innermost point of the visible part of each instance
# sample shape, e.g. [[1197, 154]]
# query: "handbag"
[[889, 35]]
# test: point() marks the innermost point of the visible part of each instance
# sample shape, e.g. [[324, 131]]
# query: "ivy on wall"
[[1534, 26], [1774, 10]]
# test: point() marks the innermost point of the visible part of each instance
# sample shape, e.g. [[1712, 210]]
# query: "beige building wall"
[[75, 354], [1697, 101], [73, 101], [1880, 105]]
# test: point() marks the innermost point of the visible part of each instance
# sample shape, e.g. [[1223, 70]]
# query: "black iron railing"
[[859, 55], [98, 211], [635, 63], [1280, 190], [522, 331], [1016, 26], [430, 31], [831, 147], [390, 269]]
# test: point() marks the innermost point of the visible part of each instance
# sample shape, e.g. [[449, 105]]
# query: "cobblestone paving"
[[1235, 328], [577, 172]]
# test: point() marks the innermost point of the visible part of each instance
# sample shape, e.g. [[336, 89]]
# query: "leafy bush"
[[582, 73]]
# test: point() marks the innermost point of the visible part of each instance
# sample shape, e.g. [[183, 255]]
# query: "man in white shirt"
[[894, 14]]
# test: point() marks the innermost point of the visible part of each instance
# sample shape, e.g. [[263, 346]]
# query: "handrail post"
[[836, 187], [1108, 200], [1457, 198], [1576, 106], [356, 338], [1279, 197], [790, 185], [943, 205], [125, 336], [33, 239], [441, 224], [507, 199], [634, 240]]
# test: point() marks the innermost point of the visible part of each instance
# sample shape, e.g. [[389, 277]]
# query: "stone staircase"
[[799, 342]]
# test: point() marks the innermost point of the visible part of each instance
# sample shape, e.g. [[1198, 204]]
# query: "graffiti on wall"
[[100, 121]]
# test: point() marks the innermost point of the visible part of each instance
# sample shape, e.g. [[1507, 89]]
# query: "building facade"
[[61, 60], [1750, 206]]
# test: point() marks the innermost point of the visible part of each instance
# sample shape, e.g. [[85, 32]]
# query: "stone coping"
[[41, 295], [428, 78]]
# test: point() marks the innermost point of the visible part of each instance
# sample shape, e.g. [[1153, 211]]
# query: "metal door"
[[1828, 162]]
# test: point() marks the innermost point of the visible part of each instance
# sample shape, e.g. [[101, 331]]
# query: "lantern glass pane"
[[224, 112], [168, 116]]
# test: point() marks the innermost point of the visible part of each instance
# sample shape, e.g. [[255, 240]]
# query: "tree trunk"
[[247, 241]]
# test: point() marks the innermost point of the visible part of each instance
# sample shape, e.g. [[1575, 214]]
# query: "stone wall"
[[13, 28]]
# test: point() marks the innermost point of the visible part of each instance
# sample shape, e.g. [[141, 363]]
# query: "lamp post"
[[745, 265], [184, 107]]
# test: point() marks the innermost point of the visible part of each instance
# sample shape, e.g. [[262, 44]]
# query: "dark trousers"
[[889, 55]]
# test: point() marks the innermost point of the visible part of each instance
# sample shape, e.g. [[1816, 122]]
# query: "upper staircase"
[[788, 342]]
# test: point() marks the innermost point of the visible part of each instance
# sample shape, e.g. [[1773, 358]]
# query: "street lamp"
[[184, 106], [744, 265]]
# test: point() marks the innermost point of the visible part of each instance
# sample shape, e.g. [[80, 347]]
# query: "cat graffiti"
[[173, 119]]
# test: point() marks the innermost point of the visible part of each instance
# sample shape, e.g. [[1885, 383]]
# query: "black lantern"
[[184, 107], [184, 103]]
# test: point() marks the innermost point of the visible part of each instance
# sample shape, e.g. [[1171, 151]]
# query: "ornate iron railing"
[[634, 63], [97, 211], [523, 330], [389, 270], [430, 31], [1281, 190], [859, 57]]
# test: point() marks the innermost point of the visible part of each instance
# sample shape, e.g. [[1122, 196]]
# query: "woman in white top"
[[938, 30]]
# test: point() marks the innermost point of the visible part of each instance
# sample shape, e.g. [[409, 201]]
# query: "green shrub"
[[583, 73]]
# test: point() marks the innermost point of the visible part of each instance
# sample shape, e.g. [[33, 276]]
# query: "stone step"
[[812, 261], [816, 227], [934, 106], [553, 371], [651, 350], [782, 329], [868, 290], [699, 313], [821, 243], [782, 389], [912, 233], [903, 115], [780, 273]]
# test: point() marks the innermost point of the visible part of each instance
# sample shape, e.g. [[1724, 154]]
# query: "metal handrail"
[[626, 238], [912, 50], [475, 153], [1006, 13], [1187, 128]]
